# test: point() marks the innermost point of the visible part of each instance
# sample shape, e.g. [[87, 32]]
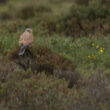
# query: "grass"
[[67, 66], [79, 50]]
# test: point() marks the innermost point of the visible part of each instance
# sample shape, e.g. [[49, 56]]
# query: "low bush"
[[36, 91], [85, 19], [31, 91], [26, 12], [82, 2], [41, 59], [45, 59], [5, 15], [31, 10], [3, 1], [71, 76], [94, 93]]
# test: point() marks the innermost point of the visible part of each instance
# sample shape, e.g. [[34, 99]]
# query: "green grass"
[[66, 52], [84, 51]]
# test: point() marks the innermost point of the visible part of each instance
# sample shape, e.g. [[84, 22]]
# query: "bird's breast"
[[26, 39]]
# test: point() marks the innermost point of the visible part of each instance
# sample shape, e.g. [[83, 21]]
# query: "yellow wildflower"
[[97, 46], [93, 44], [80, 45], [78, 40], [70, 45], [94, 57], [89, 56], [101, 50]]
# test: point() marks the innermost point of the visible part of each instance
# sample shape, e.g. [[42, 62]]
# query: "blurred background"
[[70, 17]]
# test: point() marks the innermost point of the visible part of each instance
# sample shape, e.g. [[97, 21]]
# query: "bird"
[[25, 41]]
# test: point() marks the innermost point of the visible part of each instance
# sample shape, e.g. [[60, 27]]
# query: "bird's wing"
[[26, 39], [22, 50]]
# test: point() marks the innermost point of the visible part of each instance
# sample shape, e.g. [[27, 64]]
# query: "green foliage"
[[30, 91], [60, 70], [94, 94], [85, 19], [36, 91], [82, 2], [42, 59], [3, 1], [29, 11]]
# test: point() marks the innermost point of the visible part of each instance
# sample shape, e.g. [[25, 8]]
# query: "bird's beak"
[[30, 31]]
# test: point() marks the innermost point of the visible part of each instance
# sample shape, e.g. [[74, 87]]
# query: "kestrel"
[[26, 39]]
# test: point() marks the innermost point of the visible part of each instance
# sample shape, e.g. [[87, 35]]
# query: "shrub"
[[9, 66], [84, 19], [71, 76], [30, 10], [37, 91], [5, 15], [3, 1], [43, 59], [101, 12], [82, 2], [49, 25], [94, 94], [27, 12], [43, 9]]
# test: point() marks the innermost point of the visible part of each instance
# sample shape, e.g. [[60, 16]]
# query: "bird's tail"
[[22, 50]]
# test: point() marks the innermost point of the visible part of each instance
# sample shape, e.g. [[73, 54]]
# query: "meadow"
[[68, 65]]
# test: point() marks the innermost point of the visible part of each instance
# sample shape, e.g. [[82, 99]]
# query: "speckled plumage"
[[26, 39]]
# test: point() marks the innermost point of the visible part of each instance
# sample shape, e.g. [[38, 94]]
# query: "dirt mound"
[[42, 59]]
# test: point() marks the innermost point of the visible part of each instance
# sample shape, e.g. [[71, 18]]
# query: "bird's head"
[[28, 30]]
